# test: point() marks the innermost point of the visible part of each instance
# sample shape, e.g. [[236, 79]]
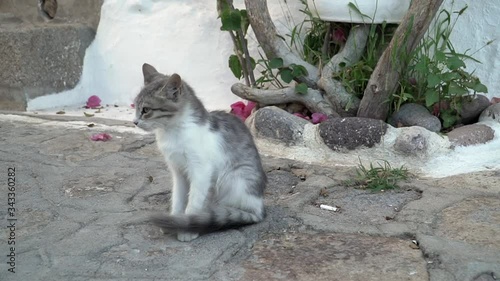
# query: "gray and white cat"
[[218, 179]]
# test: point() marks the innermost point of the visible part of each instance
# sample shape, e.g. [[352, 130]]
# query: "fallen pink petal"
[[318, 117], [93, 102], [100, 137], [132, 105]]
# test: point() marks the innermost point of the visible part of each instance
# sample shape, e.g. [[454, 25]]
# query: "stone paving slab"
[[76, 199], [475, 220], [334, 257]]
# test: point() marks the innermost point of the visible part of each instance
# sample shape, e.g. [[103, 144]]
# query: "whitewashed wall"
[[478, 25], [184, 36]]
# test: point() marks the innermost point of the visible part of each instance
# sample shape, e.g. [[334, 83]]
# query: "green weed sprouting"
[[381, 177]]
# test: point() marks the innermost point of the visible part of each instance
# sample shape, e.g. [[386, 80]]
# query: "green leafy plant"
[[401, 98], [274, 68], [242, 65], [355, 77], [436, 75], [236, 22], [381, 177], [313, 47]]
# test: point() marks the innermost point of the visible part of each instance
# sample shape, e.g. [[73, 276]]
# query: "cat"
[[218, 178]]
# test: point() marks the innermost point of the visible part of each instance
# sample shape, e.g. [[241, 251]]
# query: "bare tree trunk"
[[314, 100], [350, 54], [384, 79]]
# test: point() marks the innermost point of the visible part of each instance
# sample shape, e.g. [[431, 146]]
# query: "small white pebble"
[[329, 208]]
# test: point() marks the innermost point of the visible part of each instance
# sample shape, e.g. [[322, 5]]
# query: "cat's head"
[[160, 100]]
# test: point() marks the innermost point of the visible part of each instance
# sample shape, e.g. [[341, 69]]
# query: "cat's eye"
[[145, 110]]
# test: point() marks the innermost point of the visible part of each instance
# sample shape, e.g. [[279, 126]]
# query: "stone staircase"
[[40, 56]]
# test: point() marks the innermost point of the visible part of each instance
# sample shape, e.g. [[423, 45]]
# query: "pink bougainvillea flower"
[[302, 116], [495, 100], [413, 81], [242, 110], [437, 107], [93, 102], [339, 36], [100, 137], [248, 108], [318, 117], [237, 109], [436, 110]]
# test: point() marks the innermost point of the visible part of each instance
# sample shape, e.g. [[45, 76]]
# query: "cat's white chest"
[[192, 147]]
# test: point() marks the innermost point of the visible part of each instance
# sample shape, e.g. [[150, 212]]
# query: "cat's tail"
[[212, 220]]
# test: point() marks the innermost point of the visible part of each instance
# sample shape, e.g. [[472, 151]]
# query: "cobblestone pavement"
[[74, 198]]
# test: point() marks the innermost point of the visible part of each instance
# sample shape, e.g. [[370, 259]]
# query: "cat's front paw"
[[187, 236]]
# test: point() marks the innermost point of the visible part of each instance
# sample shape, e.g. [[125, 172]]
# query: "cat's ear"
[[149, 73], [173, 85]]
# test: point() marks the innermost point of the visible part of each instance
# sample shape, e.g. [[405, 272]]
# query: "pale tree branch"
[[241, 59], [325, 49], [313, 100], [350, 54], [248, 63], [385, 78]]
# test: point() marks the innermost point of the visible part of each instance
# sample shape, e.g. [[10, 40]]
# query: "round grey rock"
[[492, 112], [411, 141], [471, 110], [412, 114], [275, 123], [351, 132], [471, 134]]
